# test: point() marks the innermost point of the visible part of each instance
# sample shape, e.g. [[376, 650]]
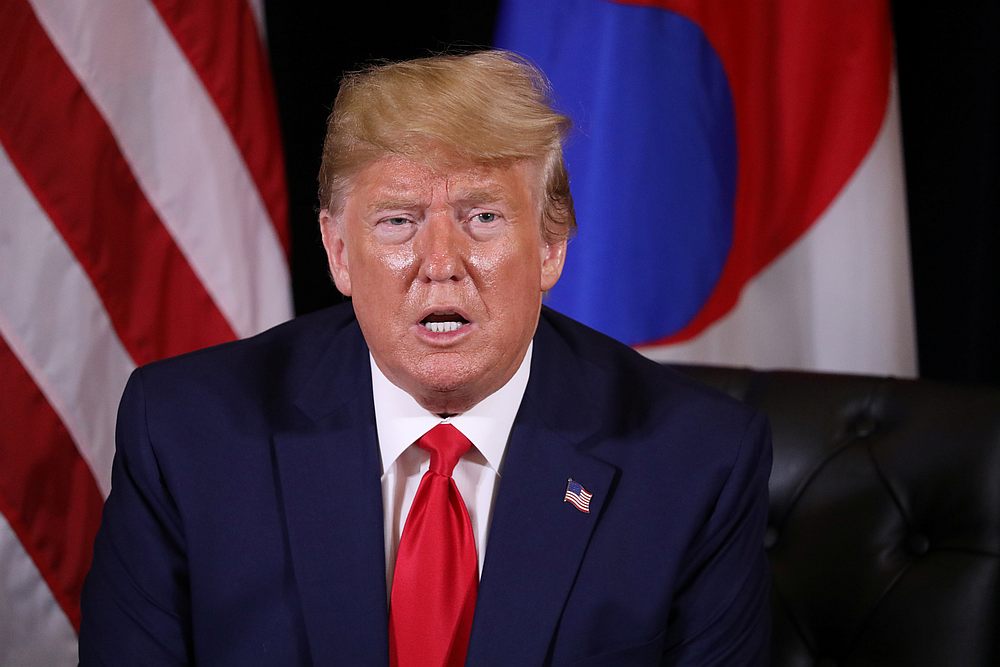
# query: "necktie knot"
[[446, 445]]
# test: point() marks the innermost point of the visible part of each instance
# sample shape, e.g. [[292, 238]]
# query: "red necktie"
[[435, 579]]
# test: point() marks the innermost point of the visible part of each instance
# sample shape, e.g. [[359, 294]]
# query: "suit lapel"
[[329, 473], [537, 540]]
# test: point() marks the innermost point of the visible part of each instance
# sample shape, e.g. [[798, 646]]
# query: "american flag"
[[577, 496], [142, 214]]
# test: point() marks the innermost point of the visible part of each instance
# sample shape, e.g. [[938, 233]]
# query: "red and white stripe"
[[578, 499], [143, 215]]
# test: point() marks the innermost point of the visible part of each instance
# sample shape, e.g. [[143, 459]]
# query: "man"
[[282, 500]]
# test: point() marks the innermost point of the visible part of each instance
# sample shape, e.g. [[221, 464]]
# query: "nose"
[[441, 248]]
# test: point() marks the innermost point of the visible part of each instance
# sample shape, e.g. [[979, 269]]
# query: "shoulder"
[[209, 413], [641, 416], [280, 345], [272, 362], [633, 386], [247, 386]]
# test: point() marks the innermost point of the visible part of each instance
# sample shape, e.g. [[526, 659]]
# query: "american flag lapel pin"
[[577, 496]]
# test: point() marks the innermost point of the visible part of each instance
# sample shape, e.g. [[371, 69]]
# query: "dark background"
[[948, 62]]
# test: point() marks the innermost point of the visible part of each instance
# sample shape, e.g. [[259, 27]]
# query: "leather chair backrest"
[[884, 534]]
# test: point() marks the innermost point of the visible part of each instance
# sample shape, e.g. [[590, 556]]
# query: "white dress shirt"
[[400, 421]]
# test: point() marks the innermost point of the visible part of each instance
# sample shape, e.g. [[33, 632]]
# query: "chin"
[[445, 386], [441, 380]]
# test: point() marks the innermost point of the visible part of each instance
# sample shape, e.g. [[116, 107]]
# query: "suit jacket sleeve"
[[135, 602], [721, 615]]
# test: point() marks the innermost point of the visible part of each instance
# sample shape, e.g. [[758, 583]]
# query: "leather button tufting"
[[882, 531], [864, 426], [917, 544]]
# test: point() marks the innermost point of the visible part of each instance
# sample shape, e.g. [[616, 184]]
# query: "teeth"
[[442, 327]]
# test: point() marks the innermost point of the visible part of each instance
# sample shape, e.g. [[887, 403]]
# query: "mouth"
[[443, 321]]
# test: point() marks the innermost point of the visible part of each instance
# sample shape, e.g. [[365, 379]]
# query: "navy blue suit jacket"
[[244, 526]]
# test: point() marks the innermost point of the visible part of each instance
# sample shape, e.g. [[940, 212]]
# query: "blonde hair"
[[488, 107]]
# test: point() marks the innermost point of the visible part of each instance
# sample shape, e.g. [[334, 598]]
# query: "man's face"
[[446, 269]]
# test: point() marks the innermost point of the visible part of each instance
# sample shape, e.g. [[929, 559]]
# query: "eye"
[[485, 225], [394, 229]]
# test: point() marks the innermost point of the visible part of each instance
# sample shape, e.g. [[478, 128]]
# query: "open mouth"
[[443, 322]]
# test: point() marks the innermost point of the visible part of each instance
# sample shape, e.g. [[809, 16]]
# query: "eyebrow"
[[479, 196], [484, 195], [388, 204]]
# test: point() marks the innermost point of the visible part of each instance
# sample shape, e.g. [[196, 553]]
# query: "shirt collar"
[[400, 420]]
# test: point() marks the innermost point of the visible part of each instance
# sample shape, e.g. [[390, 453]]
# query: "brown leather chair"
[[884, 534]]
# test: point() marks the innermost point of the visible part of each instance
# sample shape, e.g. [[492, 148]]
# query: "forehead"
[[404, 178]]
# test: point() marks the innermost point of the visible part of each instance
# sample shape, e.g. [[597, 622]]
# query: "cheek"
[[380, 267], [508, 275], [397, 263], [501, 265]]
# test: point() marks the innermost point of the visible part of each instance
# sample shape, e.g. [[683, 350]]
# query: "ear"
[[553, 257], [332, 230]]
